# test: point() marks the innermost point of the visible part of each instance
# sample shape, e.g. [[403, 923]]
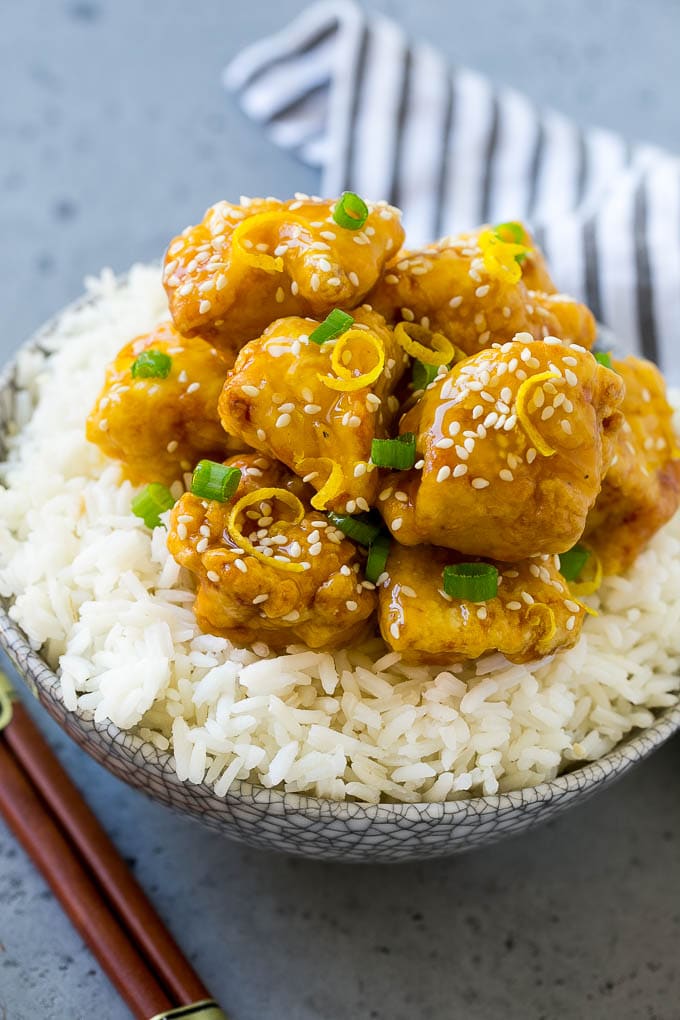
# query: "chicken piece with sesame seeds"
[[641, 490], [513, 444], [461, 288], [245, 265], [249, 598], [531, 616], [159, 426], [276, 399]]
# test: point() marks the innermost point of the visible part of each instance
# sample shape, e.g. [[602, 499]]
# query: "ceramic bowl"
[[309, 826]]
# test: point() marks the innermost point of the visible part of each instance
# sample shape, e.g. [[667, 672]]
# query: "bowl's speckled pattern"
[[307, 825]]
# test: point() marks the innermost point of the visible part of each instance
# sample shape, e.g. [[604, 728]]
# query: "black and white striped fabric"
[[388, 118]]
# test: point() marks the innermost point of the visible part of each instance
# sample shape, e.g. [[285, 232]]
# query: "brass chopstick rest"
[[207, 1009]]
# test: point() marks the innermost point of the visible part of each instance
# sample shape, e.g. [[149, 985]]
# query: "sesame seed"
[[354, 421], [385, 494], [481, 613], [407, 314], [259, 599], [444, 444], [454, 428], [240, 565], [250, 391], [469, 444], [193, 387], [570, 623], [280, 295], [459, 470], [547, 413], [573, 607], [530, 455], [506, 312], [315, 281], [396, 523], [351, 506], [202, 545], [507, 476], [513, 605], [456, 301], [172, 446], [571, 377], [212, 576], [510, 423], [443, 473], [315, 548], [479, 483], [294, 287], [566, 426], [204, 306], [182, 531], [394, 630], [282, 421], [482, 291]]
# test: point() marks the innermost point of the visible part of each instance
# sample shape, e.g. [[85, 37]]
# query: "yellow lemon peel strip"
[[499, 257], [345, 381], [412, 337], [552, 624], [331, 486], [253, 498], [521, 401], [590, 585], [269, 263]]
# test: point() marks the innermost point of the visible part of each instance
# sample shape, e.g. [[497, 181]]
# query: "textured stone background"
[[114, 132]]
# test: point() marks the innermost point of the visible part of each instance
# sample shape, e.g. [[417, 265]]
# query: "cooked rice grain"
[[111, 609]]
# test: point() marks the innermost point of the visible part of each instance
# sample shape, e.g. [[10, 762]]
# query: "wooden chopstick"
[[29, 818], [84, 831]]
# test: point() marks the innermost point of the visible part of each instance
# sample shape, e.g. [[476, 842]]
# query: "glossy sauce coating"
[[308, 265], [641, 490], [275, 400], [513, 445], [448, 287], [247, 600], [159, 428], [533, 614]]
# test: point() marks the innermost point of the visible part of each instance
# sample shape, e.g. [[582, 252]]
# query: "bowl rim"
[[35, 671]]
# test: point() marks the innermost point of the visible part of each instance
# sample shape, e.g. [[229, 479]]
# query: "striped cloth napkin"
[[386, 117]]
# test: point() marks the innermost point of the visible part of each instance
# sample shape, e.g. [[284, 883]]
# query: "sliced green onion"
[[399, 453], [363, 528], [351, 212], [603, 358], [151, 502], [476, 582], [378, 551], [573, 561], [152, 365], [517, 234], [211, 480], [422, 375], [335, 324], [515, 229]]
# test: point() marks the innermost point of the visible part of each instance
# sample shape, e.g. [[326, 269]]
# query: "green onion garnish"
[[476, 582], [573, 561], [152, 365], [422, 375], [517, 234], [211, 480], [604, 358], [363, 528], [335, 324], [399, 453], [151, 502], [378, 551], [351, 212]]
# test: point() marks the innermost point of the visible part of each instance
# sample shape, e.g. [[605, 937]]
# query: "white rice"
[[112, 611]]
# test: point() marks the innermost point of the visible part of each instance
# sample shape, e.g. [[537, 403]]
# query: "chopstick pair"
[[107, 906]]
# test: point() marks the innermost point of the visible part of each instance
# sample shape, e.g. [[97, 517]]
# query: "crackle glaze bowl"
[[304, 825]]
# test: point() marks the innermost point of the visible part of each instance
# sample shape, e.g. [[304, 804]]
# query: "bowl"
[[298, 824]]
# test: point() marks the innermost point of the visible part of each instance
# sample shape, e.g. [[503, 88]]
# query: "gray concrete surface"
[[113, 133]]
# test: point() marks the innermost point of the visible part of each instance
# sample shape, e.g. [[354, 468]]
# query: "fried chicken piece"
[[276, 400], [249, 599], [245, 265], [513, 445], [455, 289], [641, 490], [532, 615], [160, 427]]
